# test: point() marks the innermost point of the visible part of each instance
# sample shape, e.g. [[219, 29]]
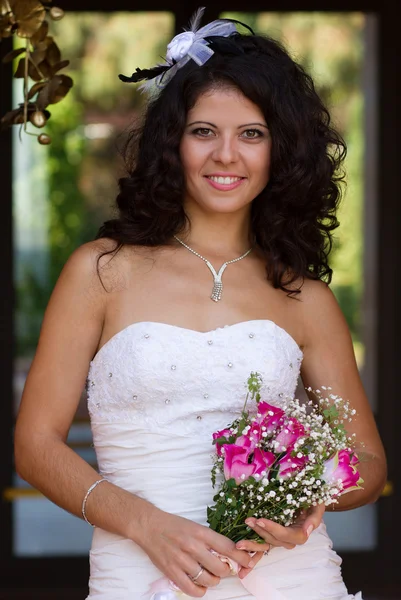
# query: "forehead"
[[225, 105]]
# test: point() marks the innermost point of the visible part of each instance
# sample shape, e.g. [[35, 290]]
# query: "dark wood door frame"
[[370, 570]]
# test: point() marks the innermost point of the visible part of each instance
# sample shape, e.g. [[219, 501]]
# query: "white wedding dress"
[[156, 393]]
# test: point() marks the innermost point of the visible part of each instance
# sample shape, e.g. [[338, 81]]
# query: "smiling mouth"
[[224, 180]]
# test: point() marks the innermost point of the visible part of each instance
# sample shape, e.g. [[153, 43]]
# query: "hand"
[[278, 535], [179, 548]]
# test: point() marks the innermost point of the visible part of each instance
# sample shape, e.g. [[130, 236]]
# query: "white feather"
[[196, 19]]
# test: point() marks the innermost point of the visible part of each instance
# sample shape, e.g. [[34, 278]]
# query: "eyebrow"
[[215, 126]]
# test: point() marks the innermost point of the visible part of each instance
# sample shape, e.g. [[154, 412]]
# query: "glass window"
[[61, 194]]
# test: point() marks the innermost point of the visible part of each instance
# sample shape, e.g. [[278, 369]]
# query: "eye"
[[252, 134], [203, 132]]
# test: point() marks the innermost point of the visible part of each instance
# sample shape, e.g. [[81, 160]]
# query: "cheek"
[[191, 157], [261, 166]]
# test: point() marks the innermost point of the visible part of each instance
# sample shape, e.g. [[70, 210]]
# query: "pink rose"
[[272, 416], [245, 441], [218, 434], [236, 465], [288, 465], [254, 435], [292, 431], [342, 467], [262, 461], [345, 456]]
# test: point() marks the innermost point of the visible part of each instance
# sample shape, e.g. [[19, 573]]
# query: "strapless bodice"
[[163, 377]]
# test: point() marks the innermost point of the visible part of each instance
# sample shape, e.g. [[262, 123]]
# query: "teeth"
[[225, 180]]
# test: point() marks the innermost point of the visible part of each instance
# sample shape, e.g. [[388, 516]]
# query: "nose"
[[225, 150]]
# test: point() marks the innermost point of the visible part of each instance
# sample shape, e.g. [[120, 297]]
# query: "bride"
[[235, 169]]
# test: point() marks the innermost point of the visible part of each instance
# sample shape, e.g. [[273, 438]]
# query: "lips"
[[224, 179], [224, 182]]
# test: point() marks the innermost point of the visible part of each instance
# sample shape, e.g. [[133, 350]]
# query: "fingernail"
[[309, 530], [261, 524], [251, 564], [241, 547], [250, 522]]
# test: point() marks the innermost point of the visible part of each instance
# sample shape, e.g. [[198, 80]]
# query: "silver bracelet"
[[92, 487]]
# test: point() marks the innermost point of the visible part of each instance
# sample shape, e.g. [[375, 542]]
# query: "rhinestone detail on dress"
[[202, 385]]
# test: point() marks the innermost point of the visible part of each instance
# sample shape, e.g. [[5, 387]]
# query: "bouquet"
[[274, 462], [277, 460]]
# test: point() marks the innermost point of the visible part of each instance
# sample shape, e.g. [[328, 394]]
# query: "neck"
[[221, 237]]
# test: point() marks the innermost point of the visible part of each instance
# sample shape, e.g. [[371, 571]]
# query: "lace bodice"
[[163, 377]]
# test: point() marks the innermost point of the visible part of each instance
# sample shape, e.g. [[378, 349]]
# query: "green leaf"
[[220, 440], [231, 484]]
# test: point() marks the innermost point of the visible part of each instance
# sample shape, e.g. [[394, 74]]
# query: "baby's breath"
[[268, 495]]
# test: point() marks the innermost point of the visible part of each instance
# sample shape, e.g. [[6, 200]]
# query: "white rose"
[[179, 46]]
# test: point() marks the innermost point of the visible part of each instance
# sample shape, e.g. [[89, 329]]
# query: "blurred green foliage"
[[63, 192]]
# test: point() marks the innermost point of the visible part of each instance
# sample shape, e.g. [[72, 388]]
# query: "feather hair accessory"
[[193, 43]]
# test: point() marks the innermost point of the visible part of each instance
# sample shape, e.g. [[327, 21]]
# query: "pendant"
[[218, 285], [216, 292]]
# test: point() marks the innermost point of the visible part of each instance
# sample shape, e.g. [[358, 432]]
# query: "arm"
[[329, 360], [69, 338]]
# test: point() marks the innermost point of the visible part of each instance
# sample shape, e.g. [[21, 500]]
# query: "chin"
[[224, 207]]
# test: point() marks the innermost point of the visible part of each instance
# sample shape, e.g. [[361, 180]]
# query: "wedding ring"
[[198, 575]]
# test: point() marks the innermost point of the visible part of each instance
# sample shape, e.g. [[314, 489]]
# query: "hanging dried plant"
[[40, 62]]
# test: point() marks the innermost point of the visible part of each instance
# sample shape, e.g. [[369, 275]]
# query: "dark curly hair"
[[293, 217]]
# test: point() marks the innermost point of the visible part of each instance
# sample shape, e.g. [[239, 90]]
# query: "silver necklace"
[[218, 285]]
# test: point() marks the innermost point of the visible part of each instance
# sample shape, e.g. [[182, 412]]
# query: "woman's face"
[[225, 152]]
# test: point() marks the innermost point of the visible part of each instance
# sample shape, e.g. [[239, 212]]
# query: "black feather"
[[224, 45], [241, 23], [142, 74]]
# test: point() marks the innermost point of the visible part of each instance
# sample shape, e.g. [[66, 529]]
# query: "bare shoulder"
[[317, 294], [321, 314], [81, 295], [101, 266]]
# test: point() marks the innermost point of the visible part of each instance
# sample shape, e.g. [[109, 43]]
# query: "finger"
[[240, 556], [182, 577], [292, 535], [264, 531], [243, 571], [252, 546], [185, 585], [226, 547], [314, 518], [205, 579], [213, 564]]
